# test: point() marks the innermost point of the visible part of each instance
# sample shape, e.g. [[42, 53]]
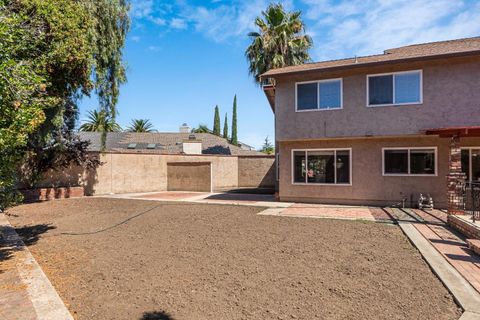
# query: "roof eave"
[[448, 132], [269, 91], [372, 64]]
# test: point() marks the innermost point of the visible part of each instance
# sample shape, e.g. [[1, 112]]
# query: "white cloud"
[[179, 24], [141, 8], [355, 27], [154, 48], [226, 21], [158, 21], [135, 38], [219, 21]]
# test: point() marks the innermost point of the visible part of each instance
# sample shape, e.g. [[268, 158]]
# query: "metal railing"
[[472, 199]]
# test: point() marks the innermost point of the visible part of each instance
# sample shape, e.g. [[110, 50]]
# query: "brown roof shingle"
[[411, 52], [165, 143]]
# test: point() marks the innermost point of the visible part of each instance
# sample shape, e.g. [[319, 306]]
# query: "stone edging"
[[464, 294], [47, 303]]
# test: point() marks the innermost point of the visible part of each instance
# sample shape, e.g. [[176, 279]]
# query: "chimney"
[[192, 145], [185, 128]]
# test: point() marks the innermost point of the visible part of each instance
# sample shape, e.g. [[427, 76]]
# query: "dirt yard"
[[188, 261]]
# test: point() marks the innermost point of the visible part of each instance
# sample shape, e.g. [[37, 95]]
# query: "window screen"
[[330, 94], [396, 161], [407, 87], [380, 90], [307, 96]]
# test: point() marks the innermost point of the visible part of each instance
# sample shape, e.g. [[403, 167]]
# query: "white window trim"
[[470, 160], [306, 162], [409, 174], [318, 94], [393, 84]]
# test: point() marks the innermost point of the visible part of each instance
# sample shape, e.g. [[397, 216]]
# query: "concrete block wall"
[[134, 172], [256, 171]]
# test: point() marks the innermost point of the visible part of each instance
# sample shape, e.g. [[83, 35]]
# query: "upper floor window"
[[319, 95], [394, 88]]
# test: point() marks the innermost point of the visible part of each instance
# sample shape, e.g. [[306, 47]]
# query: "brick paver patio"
[[451, 245], [329, 211], [432, 224], [14, 299]]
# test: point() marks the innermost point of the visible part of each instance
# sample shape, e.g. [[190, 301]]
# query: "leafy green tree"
[[51, 53], [225, 127], [234, 139], [202, 128], [267, 147], [110, 27], [141, 125], [280, 41], [216, 122], [22, 101], [100, 121]]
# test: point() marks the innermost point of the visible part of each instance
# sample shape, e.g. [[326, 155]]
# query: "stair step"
[[474, 245]]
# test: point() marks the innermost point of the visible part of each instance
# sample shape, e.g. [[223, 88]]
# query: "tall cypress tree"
[[225, 127], [216, 122], [234, 122]]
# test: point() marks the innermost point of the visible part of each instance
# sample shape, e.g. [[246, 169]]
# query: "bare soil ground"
[[188, 261]]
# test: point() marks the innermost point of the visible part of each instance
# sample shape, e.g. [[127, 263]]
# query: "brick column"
[[455, 178]]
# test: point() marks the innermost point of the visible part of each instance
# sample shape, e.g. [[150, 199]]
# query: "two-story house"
[[381, 129]]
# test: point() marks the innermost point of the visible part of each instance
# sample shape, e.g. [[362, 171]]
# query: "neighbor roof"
[[165, 143], [460, 47]]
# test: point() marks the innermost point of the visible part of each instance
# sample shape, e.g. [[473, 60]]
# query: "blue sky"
[[185, 56]]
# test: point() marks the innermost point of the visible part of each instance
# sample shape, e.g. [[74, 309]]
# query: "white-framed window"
[[319, 95], [415, 161], [471, 163], [394, 89], [322, 166]]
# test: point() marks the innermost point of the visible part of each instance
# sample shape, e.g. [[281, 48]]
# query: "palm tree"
[[280, 42], [99, 121], [141, 125], [202, 128]]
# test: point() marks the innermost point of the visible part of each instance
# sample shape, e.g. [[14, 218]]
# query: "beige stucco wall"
[[254, 172], [189, 176], [129, 173], [451, 97], [224, 169], [369, 186], [123, 173]]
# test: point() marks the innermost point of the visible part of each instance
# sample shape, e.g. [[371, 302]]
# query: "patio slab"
[[171, 195], [260, 200]]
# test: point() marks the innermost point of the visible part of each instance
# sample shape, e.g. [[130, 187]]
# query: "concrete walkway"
[[25, 291], [433, 226]]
